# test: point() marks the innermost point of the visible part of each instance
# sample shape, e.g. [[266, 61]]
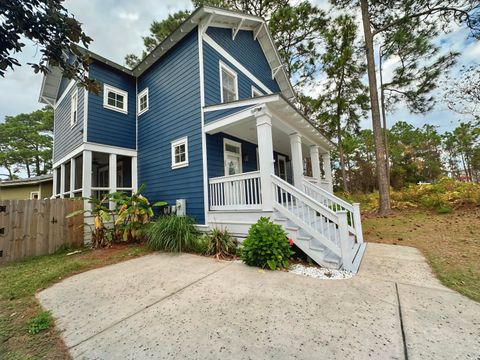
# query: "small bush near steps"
[[267, 245], [218, 243]]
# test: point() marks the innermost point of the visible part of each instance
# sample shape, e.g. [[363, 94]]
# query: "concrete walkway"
[[190, 307]]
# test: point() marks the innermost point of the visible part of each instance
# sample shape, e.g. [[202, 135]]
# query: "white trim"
[[62, 180], [72, 176], [65, 92], [250, 101], [227, 120], [237, 29], [230, 71], [143, 93], [109, 88], [174, 144], [134, 173], [225, 153], [34, 192], [256, 91], [202, 28], [74, 108], [235, 63], [85, 113], [96, 148]]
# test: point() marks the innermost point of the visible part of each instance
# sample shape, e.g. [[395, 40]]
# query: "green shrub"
[[221, 244], [39, 323], [201, 245], [173, 233], [266, 245]]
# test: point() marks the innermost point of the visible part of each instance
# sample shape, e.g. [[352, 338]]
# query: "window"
[[143, 101], [228, 84], [180, 153], [34, 195], [74, 108], [256, 92], [232, 156], [115, 99]]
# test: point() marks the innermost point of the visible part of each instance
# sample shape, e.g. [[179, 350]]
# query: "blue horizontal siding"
[[67, 138], [174, 112], [106, 126], [247, 52], [218, 114], [212, 77]]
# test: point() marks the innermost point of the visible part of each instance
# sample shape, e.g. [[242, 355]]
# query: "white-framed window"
[[34, 195], [232, 155], [180, 153], [115, 99], [74, 108], [142, 101], [228, 84], [256, 92]]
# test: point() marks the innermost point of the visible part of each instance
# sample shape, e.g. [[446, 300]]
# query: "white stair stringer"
[[321, 233]]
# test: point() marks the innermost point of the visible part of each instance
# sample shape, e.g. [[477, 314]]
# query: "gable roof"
[[29, 181], [207, 15]]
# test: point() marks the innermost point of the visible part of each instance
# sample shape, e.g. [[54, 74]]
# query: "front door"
[[282, 167]]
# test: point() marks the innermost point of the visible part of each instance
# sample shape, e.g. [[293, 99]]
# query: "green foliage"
[[39, 323], [442, 196], [221, 244], [26, 143], [266, 245], [173, 233], [50, 26]]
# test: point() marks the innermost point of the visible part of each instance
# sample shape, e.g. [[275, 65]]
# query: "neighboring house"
[[206, 121], [37, 187]]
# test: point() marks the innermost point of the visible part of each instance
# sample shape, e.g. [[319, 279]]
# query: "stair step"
[[316, 247], [292, 228], [304, 238], [282, 219]]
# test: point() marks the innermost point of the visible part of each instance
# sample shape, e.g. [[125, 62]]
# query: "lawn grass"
[[20, 313], [450, 242]]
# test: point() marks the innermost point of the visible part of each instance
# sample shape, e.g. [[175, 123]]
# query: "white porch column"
[[72, 176], [134, 174], [297, 159], [55, 182], [62, 180], [327, 168], [265, 158], [87, 177], [112, 175], [315, 159]]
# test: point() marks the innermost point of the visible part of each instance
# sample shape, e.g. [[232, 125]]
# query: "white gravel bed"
[[320, 273]]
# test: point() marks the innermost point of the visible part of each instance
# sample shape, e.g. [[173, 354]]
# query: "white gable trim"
[[235, 63]]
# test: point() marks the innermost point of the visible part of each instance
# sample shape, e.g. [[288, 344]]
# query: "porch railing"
[[236, 192]]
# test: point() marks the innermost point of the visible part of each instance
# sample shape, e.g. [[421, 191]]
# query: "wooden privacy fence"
[[38, 227]]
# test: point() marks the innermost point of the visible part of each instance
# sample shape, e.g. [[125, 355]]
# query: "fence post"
[[357, 222], [344, 243]]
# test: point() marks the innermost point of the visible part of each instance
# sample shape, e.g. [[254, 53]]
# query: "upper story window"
[[228, 84], [180, 153], [115, 99], [74, 108], [256, 92], [143, 101]]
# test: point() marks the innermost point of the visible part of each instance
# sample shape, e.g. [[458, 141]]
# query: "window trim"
[[255, 90], [139, 97], [72, 109], [226, 152], [223, 66], [34, 192], [109, 88], [174, 144]]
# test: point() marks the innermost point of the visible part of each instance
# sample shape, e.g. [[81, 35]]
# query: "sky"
[[117, 27]]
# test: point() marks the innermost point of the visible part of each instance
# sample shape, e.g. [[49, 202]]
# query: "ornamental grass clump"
[[266, 245], [173, 233]]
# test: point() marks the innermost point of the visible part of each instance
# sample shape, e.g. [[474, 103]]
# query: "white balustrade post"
[[87, 177], [62, 180], [134, 173], [55, 182], [357, 222], [327, 168], [315, 159], [112, 176], [297, 159], [343, 232], [72, 176], [265, 157]]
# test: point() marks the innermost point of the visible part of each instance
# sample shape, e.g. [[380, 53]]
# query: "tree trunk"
[[383, 188], [27, 166], [341, 156], [384, 117]]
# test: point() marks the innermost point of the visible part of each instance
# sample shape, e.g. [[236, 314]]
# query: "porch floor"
[[192, 307]]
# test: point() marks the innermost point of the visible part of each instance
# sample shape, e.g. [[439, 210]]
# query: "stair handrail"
[[345, 204]]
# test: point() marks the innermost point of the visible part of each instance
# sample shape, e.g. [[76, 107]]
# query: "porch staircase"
[[325, 227]]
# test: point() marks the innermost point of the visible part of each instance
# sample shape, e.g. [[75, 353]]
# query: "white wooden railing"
[[236, 192], [336, 204]]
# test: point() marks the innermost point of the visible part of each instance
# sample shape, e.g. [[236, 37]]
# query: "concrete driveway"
[[190, 307]]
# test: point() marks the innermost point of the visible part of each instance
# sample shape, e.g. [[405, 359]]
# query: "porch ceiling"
[[286, 120]]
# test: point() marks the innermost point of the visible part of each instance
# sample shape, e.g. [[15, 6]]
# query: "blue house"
[[207, 122]]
